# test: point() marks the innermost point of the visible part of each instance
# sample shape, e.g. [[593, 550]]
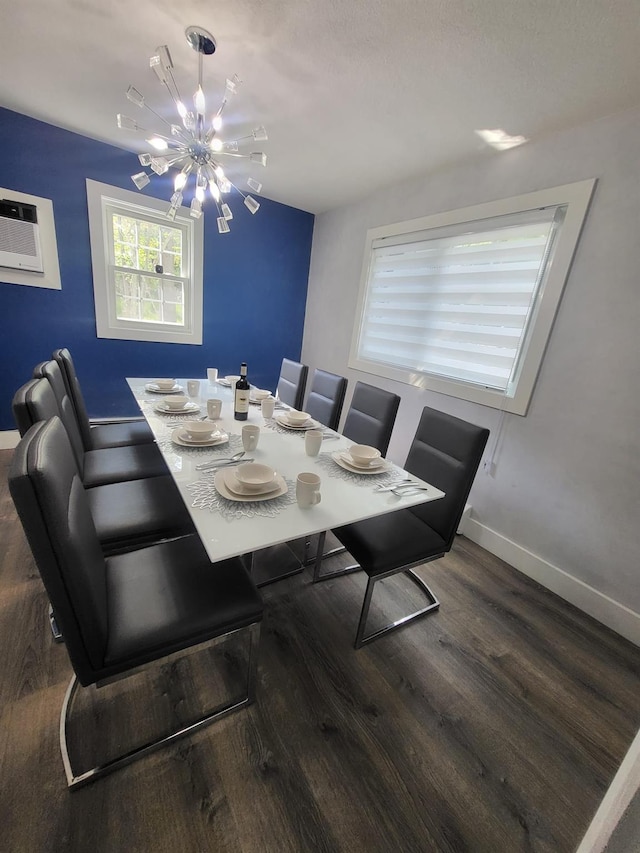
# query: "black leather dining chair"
[[371, 416], [40, 399], [122, 612], [119, 433], [445, 452], [370, 420], [126, 515], [292, 383], [326, 397]]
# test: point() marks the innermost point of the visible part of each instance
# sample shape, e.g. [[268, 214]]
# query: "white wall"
[[564, 500]]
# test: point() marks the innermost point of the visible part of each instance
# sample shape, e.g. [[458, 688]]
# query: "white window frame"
[[101, 198], [516, 399]]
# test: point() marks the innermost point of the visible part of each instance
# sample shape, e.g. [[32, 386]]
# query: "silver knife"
[[210, 465]]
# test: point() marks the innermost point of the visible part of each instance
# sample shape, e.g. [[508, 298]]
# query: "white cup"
[[212, 374], [193, 387], [267, 406], [313, 441], [308, 490], [214, 409], [250, 436]]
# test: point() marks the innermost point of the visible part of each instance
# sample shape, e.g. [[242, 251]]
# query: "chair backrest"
[[292, 382], [64, 361], [371, 416], [446, 452], [54, 512], [35, 401], [326, 397]]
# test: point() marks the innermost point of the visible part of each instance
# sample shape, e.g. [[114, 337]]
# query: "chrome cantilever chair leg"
[[434, 604], [77, 779], [320, 556]]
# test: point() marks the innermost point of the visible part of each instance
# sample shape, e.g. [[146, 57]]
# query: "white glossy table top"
[[228, 528]]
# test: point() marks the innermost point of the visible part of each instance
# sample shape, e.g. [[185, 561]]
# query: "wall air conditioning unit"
[[19, 237]]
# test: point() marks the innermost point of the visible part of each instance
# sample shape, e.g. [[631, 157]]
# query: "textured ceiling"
[[355, 94]]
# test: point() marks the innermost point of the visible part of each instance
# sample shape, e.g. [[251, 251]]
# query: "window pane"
[[173, 291], [151, 311], [151, 288]]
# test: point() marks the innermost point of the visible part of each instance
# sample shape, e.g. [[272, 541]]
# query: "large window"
[[147, 269], [463, 303]]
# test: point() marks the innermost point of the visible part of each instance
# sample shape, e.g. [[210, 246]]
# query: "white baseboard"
[[623, 789], [611, 613], [9, 439]]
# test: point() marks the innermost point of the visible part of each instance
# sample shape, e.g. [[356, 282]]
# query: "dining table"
[[231, 524]]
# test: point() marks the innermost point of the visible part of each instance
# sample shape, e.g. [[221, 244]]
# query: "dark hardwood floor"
[[495, 725]]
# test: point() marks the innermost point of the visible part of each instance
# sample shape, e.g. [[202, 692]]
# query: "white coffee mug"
[[212, 374], [250, 436], [267, 406], [214, 408], [308, 490], [313, 441], [193, 387]]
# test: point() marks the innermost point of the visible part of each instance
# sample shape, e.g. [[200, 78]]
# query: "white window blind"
[[458, 305]]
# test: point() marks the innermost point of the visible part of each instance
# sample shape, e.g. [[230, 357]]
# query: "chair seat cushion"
[[169, 597], [391, 541], [120, 464], [120, 435], [139, 512]]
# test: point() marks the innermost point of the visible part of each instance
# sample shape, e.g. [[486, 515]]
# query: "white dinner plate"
[[339, 459], [156, 390], [346, 456], [179, 436], [234, 485], [310, 424], [189, 409], [224, 490], [224, 382]]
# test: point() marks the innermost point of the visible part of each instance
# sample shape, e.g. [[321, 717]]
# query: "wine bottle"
[[241, 400]]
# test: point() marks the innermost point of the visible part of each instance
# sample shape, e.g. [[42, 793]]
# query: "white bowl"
[[296, 417], [200, 429], [164, 384], [232, 379], [363, 454], [254, 475], [178, 401]]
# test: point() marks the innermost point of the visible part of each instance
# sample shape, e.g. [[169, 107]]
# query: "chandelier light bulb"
[[216, 144], [180, 181], [200, 193], [199, 101], [216, 124], [215, 191], [220, 173], [182, 110], [158, 143]]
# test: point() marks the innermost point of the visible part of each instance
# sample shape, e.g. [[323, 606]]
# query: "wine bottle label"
[[242, 401]]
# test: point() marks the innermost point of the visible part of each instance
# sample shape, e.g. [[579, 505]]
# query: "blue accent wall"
[[255, 279]]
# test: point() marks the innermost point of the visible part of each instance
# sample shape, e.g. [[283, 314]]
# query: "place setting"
[[200, 433], [294, 420], [178, 405], [163, 386], [245, 490], [228, 381]]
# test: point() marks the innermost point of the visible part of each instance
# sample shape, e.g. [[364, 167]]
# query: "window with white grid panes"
[[151, 282]]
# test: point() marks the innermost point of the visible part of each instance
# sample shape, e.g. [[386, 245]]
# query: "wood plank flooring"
[[495, 725]]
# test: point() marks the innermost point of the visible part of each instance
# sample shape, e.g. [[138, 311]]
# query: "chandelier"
[[194, 146]]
